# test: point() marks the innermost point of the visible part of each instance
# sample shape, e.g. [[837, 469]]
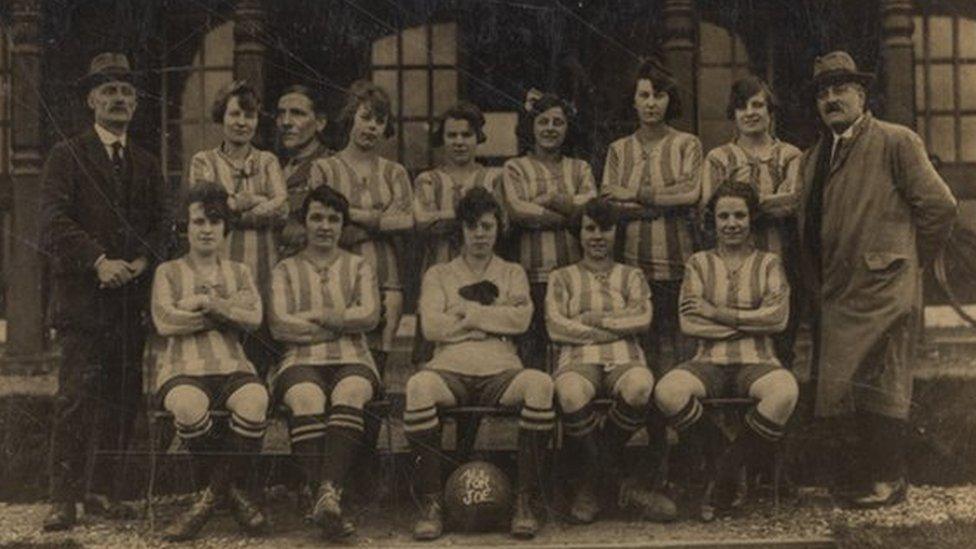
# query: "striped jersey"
[[388, 189], [658, 246], [758, 294], [525, 178], [192, 344], [436, 190], [621, 295], [300, 286], [249, 241], [775, 175]]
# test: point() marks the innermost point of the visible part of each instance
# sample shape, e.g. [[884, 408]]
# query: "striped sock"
[[343, 435], [246, 427], [625, 417], [687, 416], [195, 430], [766, 428], [307, 434], [420, 420], [423, 431], [537, 419], [580, 423]]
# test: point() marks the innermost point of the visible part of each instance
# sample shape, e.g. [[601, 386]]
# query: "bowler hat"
[[837, 67], [107, 67]]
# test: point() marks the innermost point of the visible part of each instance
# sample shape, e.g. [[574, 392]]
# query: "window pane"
[[213, 81], [940, 37], [920, 129], [445, 90], [714, 44], [917, 38], [416, 138], [415, 102], [191, 103], [445, 44], [388, 81], [415, 46], [967, 87], [713, 92], [943, 138], [920, 87], [940, 78], [384, 51], [500, 133], [968, 144], [219, 46], [967, 37]]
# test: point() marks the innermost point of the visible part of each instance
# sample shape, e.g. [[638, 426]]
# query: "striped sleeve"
[[284, 324], [201, 170], [587, 186], [693, 285], [276, 185], [685, 189], [516, 195], [364, 313], [168, 318], [714, 173], [562, 328], [636, 316], [611, 168], [398, 215], [245, 305], [771, 315]]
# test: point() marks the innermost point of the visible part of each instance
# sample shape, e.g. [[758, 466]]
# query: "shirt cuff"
[[99, 261]]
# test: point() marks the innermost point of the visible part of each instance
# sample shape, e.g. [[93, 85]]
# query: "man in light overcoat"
[[873, 213]]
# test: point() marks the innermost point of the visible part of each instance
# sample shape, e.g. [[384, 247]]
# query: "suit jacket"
[[885, 213], [88, 211]]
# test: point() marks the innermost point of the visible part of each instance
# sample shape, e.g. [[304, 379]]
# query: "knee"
[[670, 395], [537, 387], [420, 390], [250, 402], [188, 404], [571, 393], [304, 399], [636, 386], [780, 393], [352, 391]]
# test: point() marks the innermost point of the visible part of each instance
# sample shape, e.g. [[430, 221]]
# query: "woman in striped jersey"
[[380, 199], [325, 300], [459, 131], [654, 176], [755, 156], [200, 305], [544, 191], [733, 299], [594, 311], [257, 195]]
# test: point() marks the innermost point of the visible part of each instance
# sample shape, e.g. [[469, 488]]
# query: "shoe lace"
[[329, 494]]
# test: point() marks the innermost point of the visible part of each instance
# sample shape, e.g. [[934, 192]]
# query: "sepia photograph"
[[488, 273]]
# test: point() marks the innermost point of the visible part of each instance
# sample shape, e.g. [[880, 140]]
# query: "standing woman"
[[256, 196], [380, 199], [654, 176], [459, 131], [770, 166], [544, 191]]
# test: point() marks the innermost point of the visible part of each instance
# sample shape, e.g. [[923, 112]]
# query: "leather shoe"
[[524, 524], [100, 505], [62, 516], [189, 524], [247, 514], [430, 522], [883, 494], [586, 504]]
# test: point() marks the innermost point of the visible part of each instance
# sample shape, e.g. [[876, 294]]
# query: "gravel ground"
[[809, 515]]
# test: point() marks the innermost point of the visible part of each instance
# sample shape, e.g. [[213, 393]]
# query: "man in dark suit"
[[107, 222]]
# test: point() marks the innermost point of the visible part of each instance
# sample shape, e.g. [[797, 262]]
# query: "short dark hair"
[[601, 212], [662, 80], [213, 197], [364, 92], [315, 97], [247, 98], [462, 110], [525, 130], [329, 197], [734, 189], [475, 203], [744, 88]]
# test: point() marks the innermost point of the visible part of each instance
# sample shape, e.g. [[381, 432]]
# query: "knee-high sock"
[[307, 433], [204, 442], [535, 426], [343, 437], [622, 421], [580, 447], [423, 431], [244, 444]]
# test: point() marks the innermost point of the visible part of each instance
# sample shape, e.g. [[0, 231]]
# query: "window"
[[418, 68], [6, 219], [945, 85], [189, 91], [722, 58]]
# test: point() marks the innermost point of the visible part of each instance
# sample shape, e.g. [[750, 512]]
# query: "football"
[[477, 497]]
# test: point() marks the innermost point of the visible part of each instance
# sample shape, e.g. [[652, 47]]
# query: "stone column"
[[25, 349], [249, 48], [679, 53], [898, 61]]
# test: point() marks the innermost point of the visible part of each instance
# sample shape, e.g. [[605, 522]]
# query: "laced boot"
[[430, 520], [189, 524], [247, 514], [524, 523], [327, 512], [586, 504], [652, 505]]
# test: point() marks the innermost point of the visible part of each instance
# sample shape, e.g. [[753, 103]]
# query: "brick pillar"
[[898, 58], [679, 53], [25, 349], [249, 48]]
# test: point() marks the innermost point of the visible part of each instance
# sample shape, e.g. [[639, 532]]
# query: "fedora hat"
[[107, 67], [837, 67]]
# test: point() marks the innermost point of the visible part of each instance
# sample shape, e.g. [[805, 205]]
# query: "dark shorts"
[[477, 390], [325, 376], [727, 380], [603, 377], [218, 388]]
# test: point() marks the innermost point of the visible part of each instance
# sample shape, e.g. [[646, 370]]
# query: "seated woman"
[[471, 307], [733, 299], [201, 304], [325, 300], [595, 310]]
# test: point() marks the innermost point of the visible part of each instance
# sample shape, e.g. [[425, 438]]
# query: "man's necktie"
[[835, 152], [118, 164]]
